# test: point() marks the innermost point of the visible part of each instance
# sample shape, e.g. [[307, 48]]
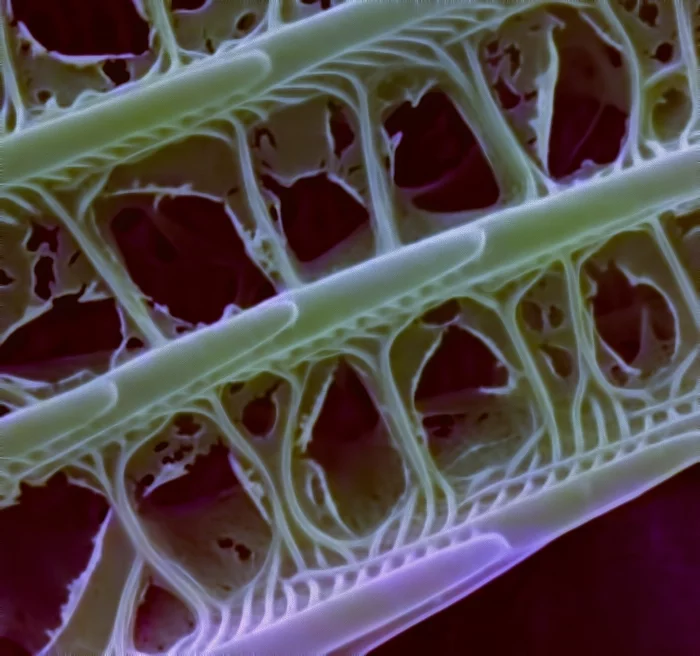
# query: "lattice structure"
[[316, 315]]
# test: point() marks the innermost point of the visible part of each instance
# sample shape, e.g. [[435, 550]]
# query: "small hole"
[[246, 22], [614, 56], [234, 388], [117, 71], [243, 552], [664, 52], [5, 278], [43, 96], [556, 316], [187, 425], [671, 113], [442, 314], [187, 5], [649, 13], [259, 416], [532, 315], [225, 543], [560, 360], [134, 343]]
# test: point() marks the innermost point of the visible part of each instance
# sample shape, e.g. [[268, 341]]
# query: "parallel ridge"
[[445, 519]]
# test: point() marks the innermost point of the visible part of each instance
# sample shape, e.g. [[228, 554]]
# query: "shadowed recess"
[[84, 27], [186, 254], [44, 277], [466, 425], [69, 336], [438, 159], [350, 442], [628, 317], [46, 544], [442, 314], [586, 123], [259, 415], [41, 235], [161, 620], [459, 368], [9, 647], [207, 480], [339, 128], [318, 214], [198, 513], [187, 5]]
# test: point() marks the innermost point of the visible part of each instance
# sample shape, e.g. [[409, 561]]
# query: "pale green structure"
[[319, 589]]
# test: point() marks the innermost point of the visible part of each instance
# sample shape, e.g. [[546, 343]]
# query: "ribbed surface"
[[375, 303]]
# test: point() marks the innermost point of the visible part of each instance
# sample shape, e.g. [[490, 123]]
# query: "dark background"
[[626, 583]]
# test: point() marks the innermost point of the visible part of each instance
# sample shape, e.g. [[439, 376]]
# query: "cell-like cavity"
[[442, 314], [69, 336], [684, 232], [57, 315], [210, 478], [669, 108], [543, 315], [5, 278], [464, 387], [117, 71], [204, 26], [258, 407], [624, 311], [515, 80], [161, 620], [201, 163], [259, 416], [546, 326], [652, 28], [187, 488], [24, 250], [591, 100], [263, 410], [90, 622], [453, 395], [347, 472], [196, 265], [82, 27], [641, 317], [318, 214], [185, 253], [460, 367], [46, 546], [560, 360], [58, 49], [588, 96], [311, 167], [437, 161]]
